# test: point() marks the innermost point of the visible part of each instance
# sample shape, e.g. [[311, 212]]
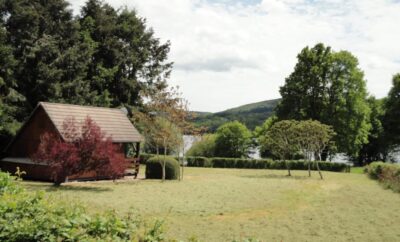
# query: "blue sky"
[[228, 53]]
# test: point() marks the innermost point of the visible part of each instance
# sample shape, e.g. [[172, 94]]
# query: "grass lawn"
[[226, 204], [357, 170]]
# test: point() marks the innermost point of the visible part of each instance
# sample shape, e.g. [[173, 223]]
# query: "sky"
[[227, 53]]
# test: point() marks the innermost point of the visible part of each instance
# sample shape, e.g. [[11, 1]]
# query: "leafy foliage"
[[101, 57], [387, 174], [287, 138], [377, 147], [329, 87], [232, 139], [259, 134], [198, 161], [35, 217], [205, 146], [154, 168], [392, 114], [86, 149], [281, 140]]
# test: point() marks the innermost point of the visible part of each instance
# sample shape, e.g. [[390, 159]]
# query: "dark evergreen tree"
[[103, 57], [392, 114]]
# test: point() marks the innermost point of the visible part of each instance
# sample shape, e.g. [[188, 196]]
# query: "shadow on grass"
[[275, 176], [49, 187]]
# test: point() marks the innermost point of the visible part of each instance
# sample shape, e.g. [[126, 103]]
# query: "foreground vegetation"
[[225, 204], [387, 174], [37, 217]]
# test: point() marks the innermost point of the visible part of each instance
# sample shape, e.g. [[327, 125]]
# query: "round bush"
[[154, 168]]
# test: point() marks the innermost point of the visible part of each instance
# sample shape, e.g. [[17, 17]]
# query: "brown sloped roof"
[[112, 121]]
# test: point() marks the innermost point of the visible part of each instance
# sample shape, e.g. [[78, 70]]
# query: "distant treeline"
[[251, 115]]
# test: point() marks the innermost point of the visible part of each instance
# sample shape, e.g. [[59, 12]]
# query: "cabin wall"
[[33, 171], [26, 144], [28, 140]]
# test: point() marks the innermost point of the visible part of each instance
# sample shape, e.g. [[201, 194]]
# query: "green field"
[[226, 204]]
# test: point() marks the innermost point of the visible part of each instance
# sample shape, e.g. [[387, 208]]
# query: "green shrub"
[[144, 157], [154, 168], [374, 170], [7, 184], [387, 174], [203, 147], [198, 161], [36, 217]]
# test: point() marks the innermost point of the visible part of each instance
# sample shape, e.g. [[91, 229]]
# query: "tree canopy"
[[329, 87], [232, 139], [203, 147], [392, 114], [101, 57], [287, 138]]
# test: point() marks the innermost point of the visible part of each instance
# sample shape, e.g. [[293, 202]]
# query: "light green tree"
[[232, 139], [205, 146], [312, 138], [281, 140]]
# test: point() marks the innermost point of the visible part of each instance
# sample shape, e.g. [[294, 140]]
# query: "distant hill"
[[251, 115]]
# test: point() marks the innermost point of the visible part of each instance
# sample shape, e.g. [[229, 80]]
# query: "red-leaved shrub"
[[82, 149]]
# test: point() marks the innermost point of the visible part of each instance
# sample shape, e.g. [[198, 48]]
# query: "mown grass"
[[357, 170], [226, 204]]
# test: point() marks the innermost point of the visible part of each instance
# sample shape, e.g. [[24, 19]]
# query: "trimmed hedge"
[[198, 161], [144, 157], [154, 168], [220, 162], [387, 174]]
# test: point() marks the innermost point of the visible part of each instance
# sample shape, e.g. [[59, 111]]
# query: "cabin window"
[[130, 150]]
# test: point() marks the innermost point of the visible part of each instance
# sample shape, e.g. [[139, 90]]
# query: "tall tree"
[[102, 57], [377, 147], [329, 87], [392, 114], [127, 57], [163, 121]]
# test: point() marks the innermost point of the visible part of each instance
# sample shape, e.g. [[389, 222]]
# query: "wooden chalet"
[[49, 117]]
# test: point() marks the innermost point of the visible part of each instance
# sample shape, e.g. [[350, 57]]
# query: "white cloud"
[[231, 53]]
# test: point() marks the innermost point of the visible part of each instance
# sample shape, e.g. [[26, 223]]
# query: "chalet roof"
[[112, 121]]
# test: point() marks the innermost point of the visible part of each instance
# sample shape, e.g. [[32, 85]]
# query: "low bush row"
[[387, 174], [37, 217], [218, 162]]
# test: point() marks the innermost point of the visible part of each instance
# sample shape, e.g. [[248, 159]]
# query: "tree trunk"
[[319, 171], [309, 168], [183, 160], [288, 167], [164, 161]]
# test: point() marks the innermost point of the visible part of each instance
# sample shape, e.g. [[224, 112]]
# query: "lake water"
[[255, 152]]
